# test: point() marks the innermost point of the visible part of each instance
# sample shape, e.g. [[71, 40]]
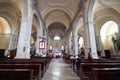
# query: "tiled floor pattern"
[[59, 70]]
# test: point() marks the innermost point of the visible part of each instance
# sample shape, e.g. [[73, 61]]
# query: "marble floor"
[[59, 70]]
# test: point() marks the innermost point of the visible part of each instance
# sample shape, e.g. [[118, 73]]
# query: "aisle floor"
[[59, 70]]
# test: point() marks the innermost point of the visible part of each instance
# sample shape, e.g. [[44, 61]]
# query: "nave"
[[32, 32], [59, 70]]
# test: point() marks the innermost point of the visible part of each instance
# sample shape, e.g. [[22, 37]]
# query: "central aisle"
[[59, 70]]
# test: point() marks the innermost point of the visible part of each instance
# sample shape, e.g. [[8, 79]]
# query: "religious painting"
[[42, 45]]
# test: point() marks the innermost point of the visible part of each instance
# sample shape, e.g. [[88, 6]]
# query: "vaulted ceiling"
[[58, 15]]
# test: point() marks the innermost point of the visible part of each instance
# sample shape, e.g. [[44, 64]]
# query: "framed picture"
[[42, 45]]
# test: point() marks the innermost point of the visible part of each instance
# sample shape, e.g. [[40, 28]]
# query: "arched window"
[[5, 33], [57, 38], [81, 42], [51, 47], [108, 29], [62, 47]]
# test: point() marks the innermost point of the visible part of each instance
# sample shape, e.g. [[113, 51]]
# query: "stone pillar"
[[23, 48], [69, 44], [66, 48], [90, 43], [92, 40], [11, 44], [86, 30], [91, 31], [29, 30], [40, 30], [75, 42]]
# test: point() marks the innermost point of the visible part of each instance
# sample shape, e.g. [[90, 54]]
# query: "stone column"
[[86, 30], [90, 43], [39, 30], [69, 44], [11, 42], [23, 48], [75, 41], [29, 30], [76, 44], [91, 31], [39, 35], [92, 40]]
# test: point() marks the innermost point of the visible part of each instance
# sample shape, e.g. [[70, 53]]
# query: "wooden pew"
[[27, 61], [35, 67], [16, 74], [106, 74], [86, 68], [46, 59], [76, 65], [100, 61]]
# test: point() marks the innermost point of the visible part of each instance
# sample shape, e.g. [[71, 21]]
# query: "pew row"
[[27, 61], [106, 74], [35, 67], [16, 74], [86, 69], [75, 63]]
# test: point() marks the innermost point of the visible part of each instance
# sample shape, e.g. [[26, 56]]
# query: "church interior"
[[59, 39]]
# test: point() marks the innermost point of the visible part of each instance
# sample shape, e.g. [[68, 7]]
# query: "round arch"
[[108, 30], [5, 33], [66, 11], [99, 21]]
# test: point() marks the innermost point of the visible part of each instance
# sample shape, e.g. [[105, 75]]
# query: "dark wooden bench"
[[100, 61], [16, 74], [35, 67], [46, 59], [76, 64], [27, 61], [106, 74], [86, 68]]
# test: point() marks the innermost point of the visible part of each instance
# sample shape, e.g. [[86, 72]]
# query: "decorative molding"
[[68, 4], [109, 3], [57, 15], [59, 3]]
